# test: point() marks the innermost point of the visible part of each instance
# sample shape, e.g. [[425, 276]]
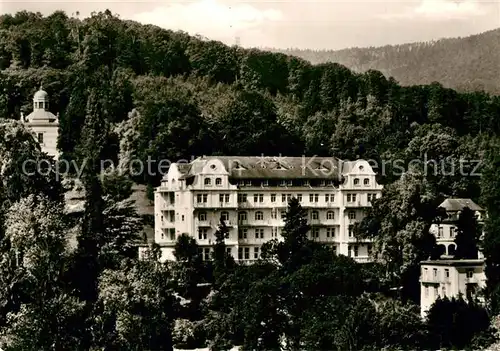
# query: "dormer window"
[[208, 181], [356, 181], [306, 182], [265, 183], [282, 183], [366, 181], [40, 138], [218, 181], [278, 166], [289, 183]]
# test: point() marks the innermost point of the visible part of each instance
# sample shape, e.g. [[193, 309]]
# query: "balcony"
[[167, 224], [363, 259], [167, 206]]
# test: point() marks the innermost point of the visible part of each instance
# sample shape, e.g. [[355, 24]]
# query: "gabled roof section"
[[260, 167], [453, 205]]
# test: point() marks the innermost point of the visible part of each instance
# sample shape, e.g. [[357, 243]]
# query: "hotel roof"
[[452, 205], [259, 167]]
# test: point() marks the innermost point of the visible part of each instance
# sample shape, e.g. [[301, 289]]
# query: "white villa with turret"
[[43, 123]]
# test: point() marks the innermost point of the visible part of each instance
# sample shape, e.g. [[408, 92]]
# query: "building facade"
[[449, 278], [43, 123], [251, 194], [445, 231]]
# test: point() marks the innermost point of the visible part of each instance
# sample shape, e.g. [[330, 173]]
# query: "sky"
[[306, 24]]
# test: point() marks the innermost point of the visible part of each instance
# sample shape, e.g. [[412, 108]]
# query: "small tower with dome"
[[43, 123]]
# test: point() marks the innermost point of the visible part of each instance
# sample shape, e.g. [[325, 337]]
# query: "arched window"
[[224, 216], [242, 216], [259, 216], [366, 181], [330, 215], [314, 215], [208, 181], [218, 181], [356, 181]]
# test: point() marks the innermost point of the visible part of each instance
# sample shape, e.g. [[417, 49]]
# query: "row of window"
[[290, 182], [441, 232], [259, 215], [446, 272], [244, 253], [259, 198]]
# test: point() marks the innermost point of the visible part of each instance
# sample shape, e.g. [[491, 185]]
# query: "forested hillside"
[[466, 64], [127, 92]]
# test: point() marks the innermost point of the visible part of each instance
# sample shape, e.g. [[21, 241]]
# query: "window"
[[369, 249], [289, 182], [435, 272], [261, 198], [241, 183], [224, 216], [247, 253], [443, 290], [40, 138], [315, 233], [255, 197], [259, 233], [330, 215], [329, 198], [366, 181], [273, 197], [426, 291], [447, 274], [274, 232], [256, 253], [242, 233], [224, 198], [313, 197], [440, 232], [334, 249], [322, 183], [248, 183], [259, 216], [314, 215], [282, 183], [242, 197], [425, 273], [206, 254], [228, 251], [182, 218], [330, 232], [352, 214], [356, 250], [283, 197], [283, 214], [356, 181], [273, 214], [371, 197], [452, 232], [351, 230], [351, 197], [470, 273], [299, 197], [242, 216], [240, 253], [172, 234], [218, 181], [202, 233], [208, 181], [265, 183], [306, 183], [286, 197], [201, 198]]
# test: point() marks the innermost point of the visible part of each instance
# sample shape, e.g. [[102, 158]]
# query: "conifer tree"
[[222, 261], [468, 234]]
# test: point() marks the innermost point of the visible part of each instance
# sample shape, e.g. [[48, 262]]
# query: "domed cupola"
[[41, 100], [41, 113]]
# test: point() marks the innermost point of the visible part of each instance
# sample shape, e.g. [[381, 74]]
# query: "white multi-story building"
[[445, 231], [449, 278], [251, 194]]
